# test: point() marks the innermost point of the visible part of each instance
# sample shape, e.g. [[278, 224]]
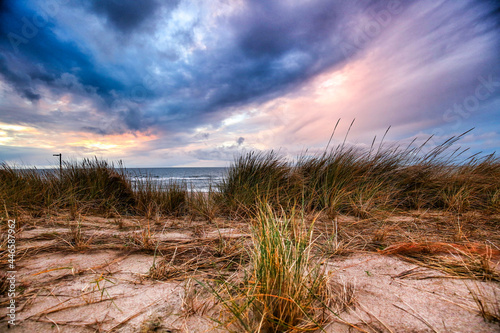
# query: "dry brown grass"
[[471, 261], [201, 257], [196, 300], [204, 205], [75, 238], [487, 302]]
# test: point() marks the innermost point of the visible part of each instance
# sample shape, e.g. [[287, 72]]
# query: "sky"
[[195, 83]]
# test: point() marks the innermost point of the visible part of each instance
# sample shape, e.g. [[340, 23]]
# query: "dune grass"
[[90, 186], [253, 178], [343, 179], [360, 182], [160, 198], [284, 289], [204, 205]]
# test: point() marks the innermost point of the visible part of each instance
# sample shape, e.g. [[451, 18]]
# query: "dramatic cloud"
[[126, 15], [203, 80]]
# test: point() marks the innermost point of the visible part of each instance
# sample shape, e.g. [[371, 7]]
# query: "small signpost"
[[60, 163]]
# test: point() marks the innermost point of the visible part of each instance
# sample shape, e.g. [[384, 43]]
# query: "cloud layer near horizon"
[[194, 82]]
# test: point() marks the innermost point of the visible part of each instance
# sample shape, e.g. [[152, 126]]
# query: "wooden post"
[[60, 164]]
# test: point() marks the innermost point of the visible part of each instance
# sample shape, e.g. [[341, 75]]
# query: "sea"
[[196, 179]]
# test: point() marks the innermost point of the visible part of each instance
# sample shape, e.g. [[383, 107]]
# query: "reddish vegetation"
[[438, 247]]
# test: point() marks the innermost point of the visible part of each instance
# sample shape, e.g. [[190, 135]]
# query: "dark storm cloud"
[[274, 47], [261, 51], [128, 15], [3, 5], [271, 29], [133, 119], [22, 83], [32, 54]]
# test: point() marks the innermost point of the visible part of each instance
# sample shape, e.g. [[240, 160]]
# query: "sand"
[[103, 285]]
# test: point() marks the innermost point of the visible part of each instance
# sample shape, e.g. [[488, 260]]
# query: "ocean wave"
[[174, 178]]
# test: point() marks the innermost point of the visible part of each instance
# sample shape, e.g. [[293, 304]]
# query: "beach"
[[249, 166], [267, 248], [132, 274]]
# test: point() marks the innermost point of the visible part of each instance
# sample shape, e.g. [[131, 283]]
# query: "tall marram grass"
[[159, 198], [91, 185], [346, 179], [25, 188], [253, 178], [343, 179], [284, 290], [360, 182]]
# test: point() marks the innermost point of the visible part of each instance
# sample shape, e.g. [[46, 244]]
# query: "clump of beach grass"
[[92, 186], [204, 204], [284, 289], [255, 177], [361, 182], [97, 184], [25, 189], [160, 198], [143, 237], [75, 237]]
